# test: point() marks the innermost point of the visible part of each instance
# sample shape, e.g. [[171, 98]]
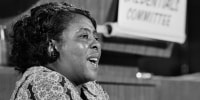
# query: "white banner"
[[157, 19]]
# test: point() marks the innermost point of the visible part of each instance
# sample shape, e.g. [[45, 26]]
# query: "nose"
[[95, 45]]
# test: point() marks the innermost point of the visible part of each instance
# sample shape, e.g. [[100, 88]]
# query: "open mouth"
[[93, 61]]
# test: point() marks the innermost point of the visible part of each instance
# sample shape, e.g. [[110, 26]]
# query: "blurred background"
[[130, 68]]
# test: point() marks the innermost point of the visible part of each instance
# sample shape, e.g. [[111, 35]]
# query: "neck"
[[78, 88]]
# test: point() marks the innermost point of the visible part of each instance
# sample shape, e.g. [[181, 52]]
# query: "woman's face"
[[80, 51]]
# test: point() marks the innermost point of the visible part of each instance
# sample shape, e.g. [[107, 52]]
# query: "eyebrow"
[[87, 29]]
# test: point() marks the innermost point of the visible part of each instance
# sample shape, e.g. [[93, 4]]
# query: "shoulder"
[[41, 83], [94, 91], [37, 76]]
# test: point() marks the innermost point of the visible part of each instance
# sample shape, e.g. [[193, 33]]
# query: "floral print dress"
[[41, 83]]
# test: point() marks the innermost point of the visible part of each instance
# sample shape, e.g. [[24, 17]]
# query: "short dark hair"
[[31, 34]]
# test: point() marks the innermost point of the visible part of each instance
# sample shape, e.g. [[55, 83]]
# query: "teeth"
[[94, 59]]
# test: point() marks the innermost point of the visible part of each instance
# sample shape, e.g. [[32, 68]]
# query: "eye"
[[96, 37], [85, 36]]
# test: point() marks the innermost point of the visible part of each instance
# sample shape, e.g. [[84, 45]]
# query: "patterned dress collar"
[[91, 90]]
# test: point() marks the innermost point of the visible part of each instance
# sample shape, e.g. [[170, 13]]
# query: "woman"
[[57, 49]]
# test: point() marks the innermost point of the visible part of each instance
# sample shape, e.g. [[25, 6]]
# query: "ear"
[[53, 53], [55, 44]]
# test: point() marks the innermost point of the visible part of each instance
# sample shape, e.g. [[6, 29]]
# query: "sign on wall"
[[157, 19]]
